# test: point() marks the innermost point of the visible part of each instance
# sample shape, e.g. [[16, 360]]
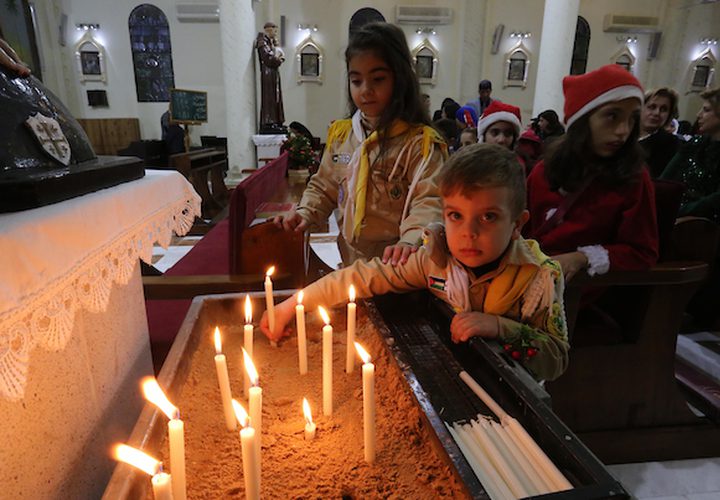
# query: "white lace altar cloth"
[[57, 259]]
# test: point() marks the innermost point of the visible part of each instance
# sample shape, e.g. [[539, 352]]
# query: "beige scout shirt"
[[429, 268], [382, 225]]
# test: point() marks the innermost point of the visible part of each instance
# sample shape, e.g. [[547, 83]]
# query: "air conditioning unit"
[[418, 14], [198, 12], [630, 24]]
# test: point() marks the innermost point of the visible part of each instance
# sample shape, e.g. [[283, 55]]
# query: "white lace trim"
[[47, 319], [598, 259]]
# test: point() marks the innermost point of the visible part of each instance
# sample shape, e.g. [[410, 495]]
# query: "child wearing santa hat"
[[591, 199], [499, 124]]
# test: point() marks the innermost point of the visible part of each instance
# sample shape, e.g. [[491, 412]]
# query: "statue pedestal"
[[267, 147]]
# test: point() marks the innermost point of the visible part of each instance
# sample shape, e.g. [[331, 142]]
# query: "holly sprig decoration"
[[522, 348]]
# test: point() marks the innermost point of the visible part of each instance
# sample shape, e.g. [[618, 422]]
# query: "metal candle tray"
[[416, 327]]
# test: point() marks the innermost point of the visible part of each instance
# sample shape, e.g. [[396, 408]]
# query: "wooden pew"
[[196, 166], [619, 394]]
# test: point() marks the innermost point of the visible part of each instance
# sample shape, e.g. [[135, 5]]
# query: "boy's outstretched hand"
[[284, 312], [473, 324], [398, 253]]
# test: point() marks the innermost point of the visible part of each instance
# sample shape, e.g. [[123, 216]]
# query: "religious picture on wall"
[[424, 66], [516, 70], [90, 63], [309, 65], [700, 76]]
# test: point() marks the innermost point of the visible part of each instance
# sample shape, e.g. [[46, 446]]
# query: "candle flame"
[[136, 458], [250, 368], [270, 271], [324, 315], [351, 293], [248, 309], [300, 296], [362, 352], [154, 394], [306, 411], [240, 413], [218, 341]]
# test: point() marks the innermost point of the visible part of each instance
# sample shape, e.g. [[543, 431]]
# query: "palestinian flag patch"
[[436, 283]]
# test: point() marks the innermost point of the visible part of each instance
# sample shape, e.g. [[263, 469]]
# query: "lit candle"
[[250, 455], [176, 434], [327, 363], [269, 303], [368, 377], [161, 482], [309, 424], [349, 354], [224, 382], [254, 398], [302, 338], [248, 340]]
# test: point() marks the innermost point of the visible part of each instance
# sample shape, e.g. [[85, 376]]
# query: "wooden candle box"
[[428, 365]]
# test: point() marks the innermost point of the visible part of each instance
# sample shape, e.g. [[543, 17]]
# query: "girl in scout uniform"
[[379, 165]]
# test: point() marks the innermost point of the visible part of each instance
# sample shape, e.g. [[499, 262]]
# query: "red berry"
[[531, 352], [507, 347], [516, 355]]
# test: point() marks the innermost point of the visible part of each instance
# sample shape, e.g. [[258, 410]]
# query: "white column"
[[237, 29], [556, 45]]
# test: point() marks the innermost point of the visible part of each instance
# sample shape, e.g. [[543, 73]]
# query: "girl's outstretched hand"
[[284, 312], [473, 324], [398, 253], [290, 221]]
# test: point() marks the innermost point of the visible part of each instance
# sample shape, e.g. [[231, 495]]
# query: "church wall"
[[197, 64]]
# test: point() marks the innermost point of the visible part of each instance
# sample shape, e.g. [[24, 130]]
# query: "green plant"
[[300, 151]]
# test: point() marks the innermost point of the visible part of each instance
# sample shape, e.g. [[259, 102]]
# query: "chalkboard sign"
[[188, 106]]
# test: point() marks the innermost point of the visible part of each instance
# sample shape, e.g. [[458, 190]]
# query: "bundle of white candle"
[[506, 460]]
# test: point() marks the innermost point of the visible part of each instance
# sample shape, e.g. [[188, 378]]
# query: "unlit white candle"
[[520, 435], [302, 337], [482, 431], [537, 486], [162, 486], [176, 433], [478, 462], [351, 319]]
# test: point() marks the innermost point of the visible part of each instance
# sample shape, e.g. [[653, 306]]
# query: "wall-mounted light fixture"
[[520, 34], [308, 27], [425, 30], [626, 39], [87, 26], [708, 41]]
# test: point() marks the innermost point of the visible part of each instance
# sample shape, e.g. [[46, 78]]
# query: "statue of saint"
[[271, 57]]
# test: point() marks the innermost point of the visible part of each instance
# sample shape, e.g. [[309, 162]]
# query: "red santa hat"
[[584, 93], [499, 112]]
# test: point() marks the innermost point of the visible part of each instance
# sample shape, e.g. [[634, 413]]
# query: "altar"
[[73, 330]]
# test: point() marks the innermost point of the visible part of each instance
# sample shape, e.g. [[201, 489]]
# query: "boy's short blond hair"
[[481, 166]]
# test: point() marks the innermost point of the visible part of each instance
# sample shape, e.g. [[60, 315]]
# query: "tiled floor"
[[673, 480]]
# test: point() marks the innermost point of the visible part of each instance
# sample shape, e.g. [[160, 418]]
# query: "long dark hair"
[[570, 159], [388, 42]]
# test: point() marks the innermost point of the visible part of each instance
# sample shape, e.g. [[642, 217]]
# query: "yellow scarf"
[[340, 130], [506, 288]]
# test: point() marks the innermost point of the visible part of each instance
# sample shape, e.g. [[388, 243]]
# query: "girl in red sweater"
[[591, 200]]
